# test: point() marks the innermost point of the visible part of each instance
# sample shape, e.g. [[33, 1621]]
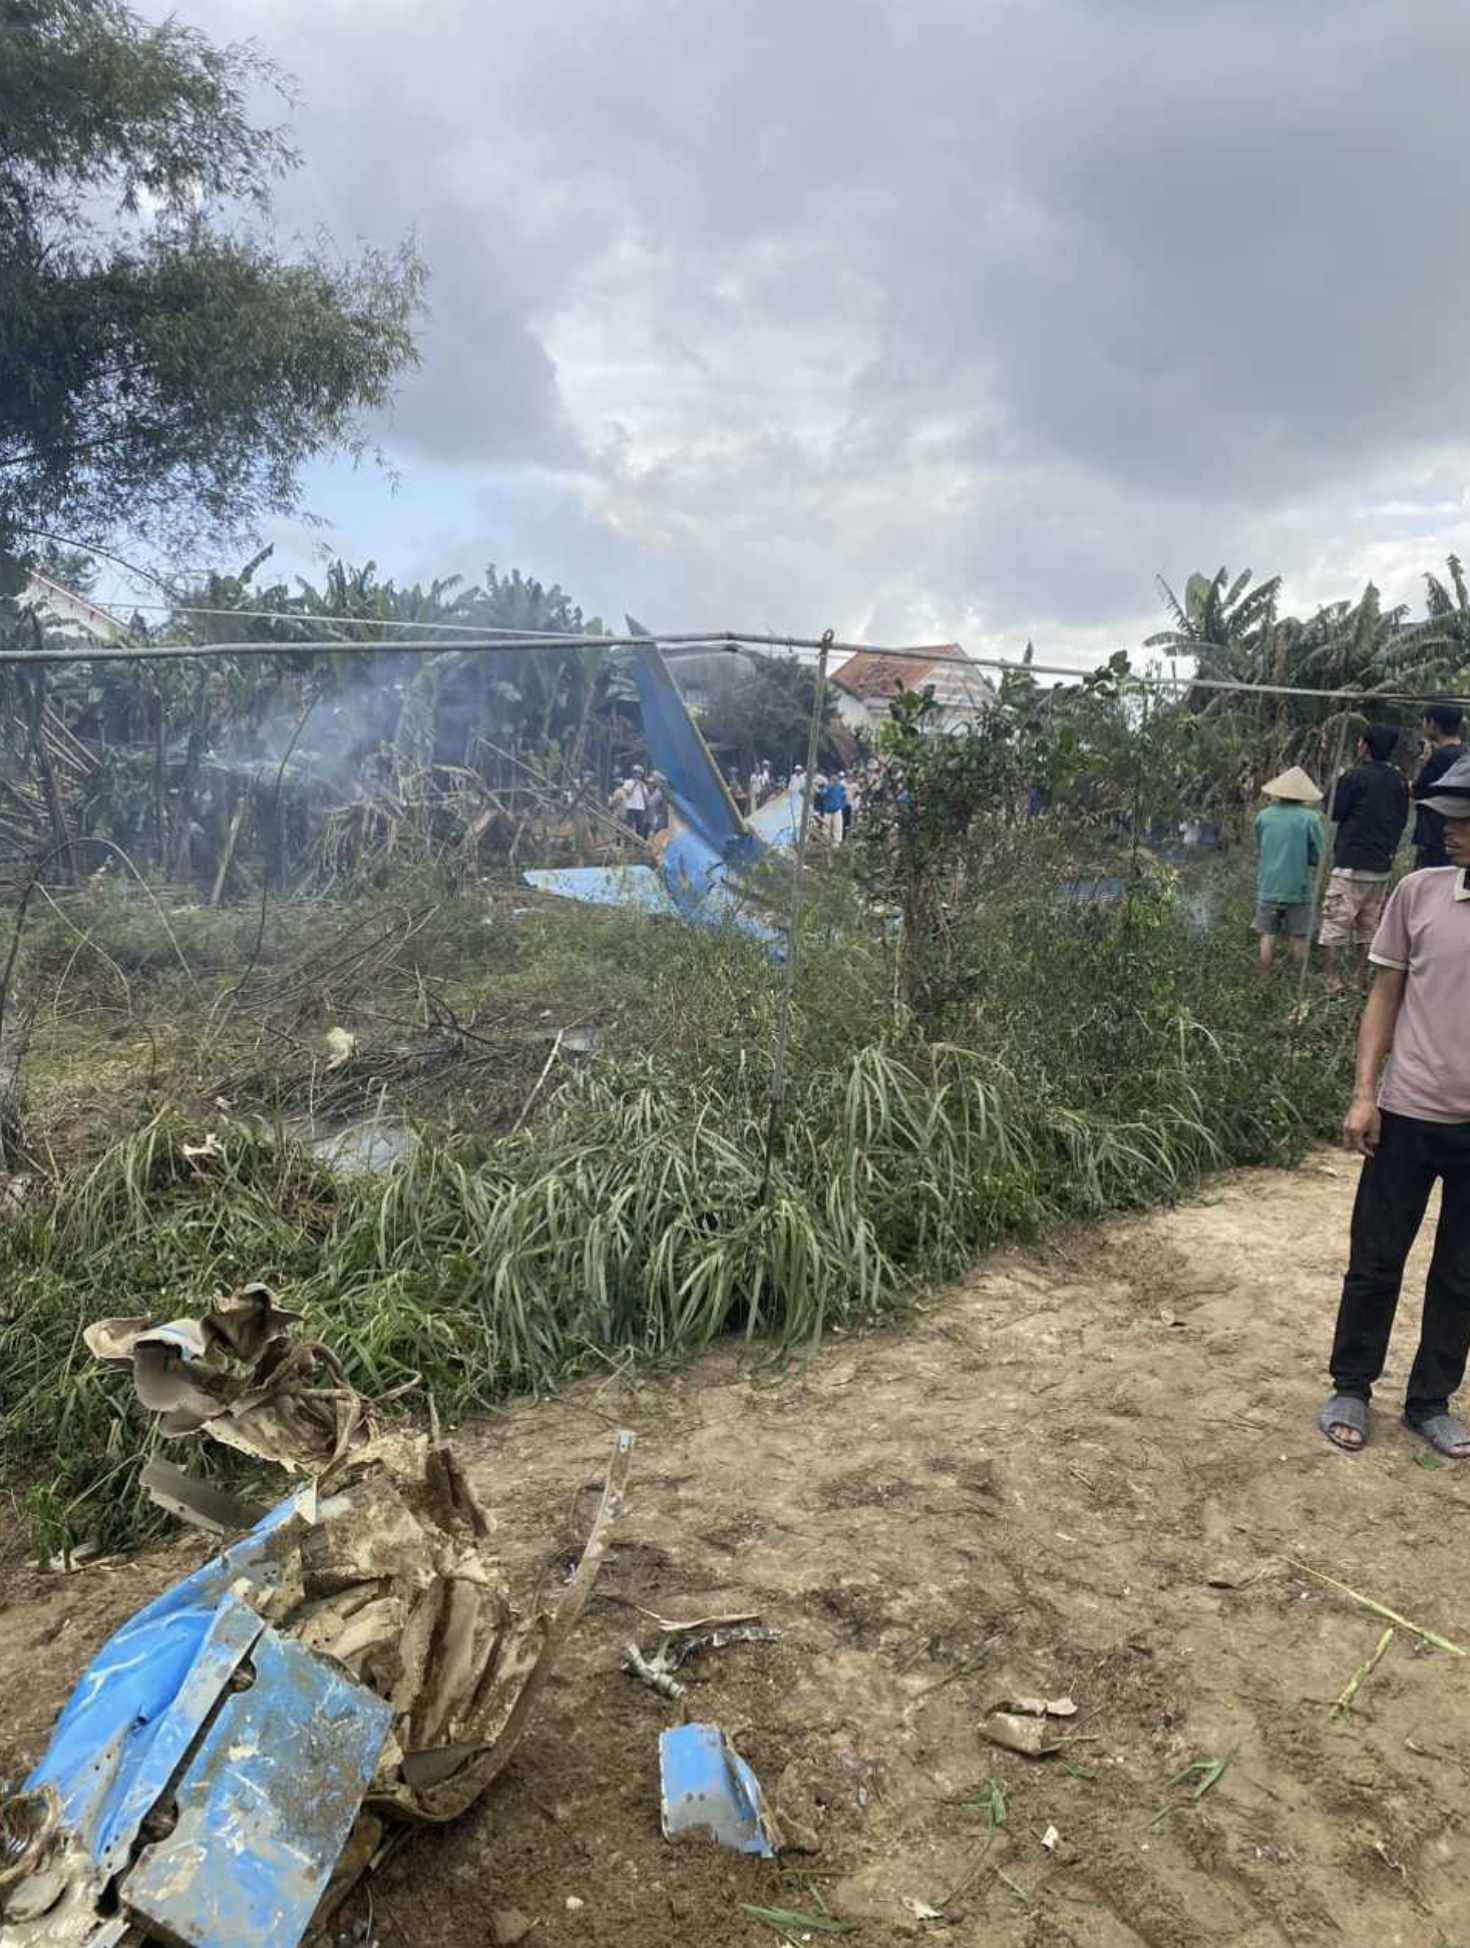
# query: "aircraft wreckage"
[[708, 864], [237, 1755]]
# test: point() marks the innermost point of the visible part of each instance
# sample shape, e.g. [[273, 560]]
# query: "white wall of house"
[[853, 713]]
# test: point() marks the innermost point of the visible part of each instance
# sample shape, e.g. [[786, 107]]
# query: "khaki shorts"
[[1351, 910]]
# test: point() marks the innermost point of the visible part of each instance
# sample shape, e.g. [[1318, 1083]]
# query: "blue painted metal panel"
[[637, 886], [265, 1806], [114, 1732], [778, 822], [708, 1788], [161, 1745]]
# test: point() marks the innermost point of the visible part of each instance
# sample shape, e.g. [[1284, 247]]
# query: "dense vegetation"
[[563, 1208]]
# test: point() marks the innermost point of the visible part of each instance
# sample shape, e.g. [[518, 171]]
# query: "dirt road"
[[1081, 1472]]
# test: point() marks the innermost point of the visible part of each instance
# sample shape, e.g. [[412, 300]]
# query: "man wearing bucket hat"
[[1414, 1129], [1288, 849]]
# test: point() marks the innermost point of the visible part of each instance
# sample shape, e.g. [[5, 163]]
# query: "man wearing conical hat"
[[1413, 1126], [1288, 851]]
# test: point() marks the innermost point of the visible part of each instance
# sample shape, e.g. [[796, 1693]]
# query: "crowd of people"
[[836, 795], [1369, 807], [641, 800]]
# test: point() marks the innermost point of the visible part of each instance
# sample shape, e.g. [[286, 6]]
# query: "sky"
[[921, 319]]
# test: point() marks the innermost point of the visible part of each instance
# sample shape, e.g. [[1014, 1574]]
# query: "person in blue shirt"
[[837, 809], [1288, 854]]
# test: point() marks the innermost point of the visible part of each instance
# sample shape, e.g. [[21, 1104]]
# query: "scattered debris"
[[657, 1671], [358, 1934], [70, 1559], [1037, 1707], [922, 1911], [672, 1626], [211, 1150], [676, 1654], [652, 1673], [238, 1376], [199, 1502], [1050, 1838], [708, 1788], [1029, 1736], [1025, 1724], [226, 1767]]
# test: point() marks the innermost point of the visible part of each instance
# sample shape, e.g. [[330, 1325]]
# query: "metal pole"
[[670, 643], [783, 1019]]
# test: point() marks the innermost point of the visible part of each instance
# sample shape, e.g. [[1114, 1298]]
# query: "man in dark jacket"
[[1370, 807], [1442, 724]]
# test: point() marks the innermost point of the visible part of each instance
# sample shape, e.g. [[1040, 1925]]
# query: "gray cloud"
[[919, 314]]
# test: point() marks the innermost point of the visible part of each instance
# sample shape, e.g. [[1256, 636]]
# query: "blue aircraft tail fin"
[[681, 756]]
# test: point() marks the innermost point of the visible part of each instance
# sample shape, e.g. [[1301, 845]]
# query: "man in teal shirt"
[[1288, 852]]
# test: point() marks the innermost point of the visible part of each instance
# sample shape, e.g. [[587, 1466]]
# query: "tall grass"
[[1102, 1061]]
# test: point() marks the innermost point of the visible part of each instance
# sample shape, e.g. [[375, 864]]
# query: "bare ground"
[[1080, 1472]]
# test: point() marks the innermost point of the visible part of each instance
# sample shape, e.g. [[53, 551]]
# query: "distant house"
[[77, 614], [867, 683]]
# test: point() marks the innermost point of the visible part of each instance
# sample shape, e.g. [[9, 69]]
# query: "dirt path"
[[1079, 1473]]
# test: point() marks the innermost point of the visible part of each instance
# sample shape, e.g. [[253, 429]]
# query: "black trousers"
[[1393, 1193]]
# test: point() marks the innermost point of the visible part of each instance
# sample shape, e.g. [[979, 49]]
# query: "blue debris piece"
[[265, 1807], [277, 1774], [708, 1788], [606, 886], [148, 1690], [778, 821]]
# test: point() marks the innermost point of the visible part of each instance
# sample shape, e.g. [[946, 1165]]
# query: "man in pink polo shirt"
[[1414, 1130]]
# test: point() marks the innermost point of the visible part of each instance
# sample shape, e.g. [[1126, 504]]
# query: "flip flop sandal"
[[1444, 1433], [1347, 1410]]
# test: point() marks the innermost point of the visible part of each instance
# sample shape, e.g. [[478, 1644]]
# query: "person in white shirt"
[[631, 801]]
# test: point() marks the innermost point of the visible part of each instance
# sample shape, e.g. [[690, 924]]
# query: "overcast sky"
[[919, 318]]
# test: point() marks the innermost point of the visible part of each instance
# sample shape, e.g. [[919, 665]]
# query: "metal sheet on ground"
[[265, 1808]]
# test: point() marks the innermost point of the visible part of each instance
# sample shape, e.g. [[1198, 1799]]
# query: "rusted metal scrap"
[[236, 1755]]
